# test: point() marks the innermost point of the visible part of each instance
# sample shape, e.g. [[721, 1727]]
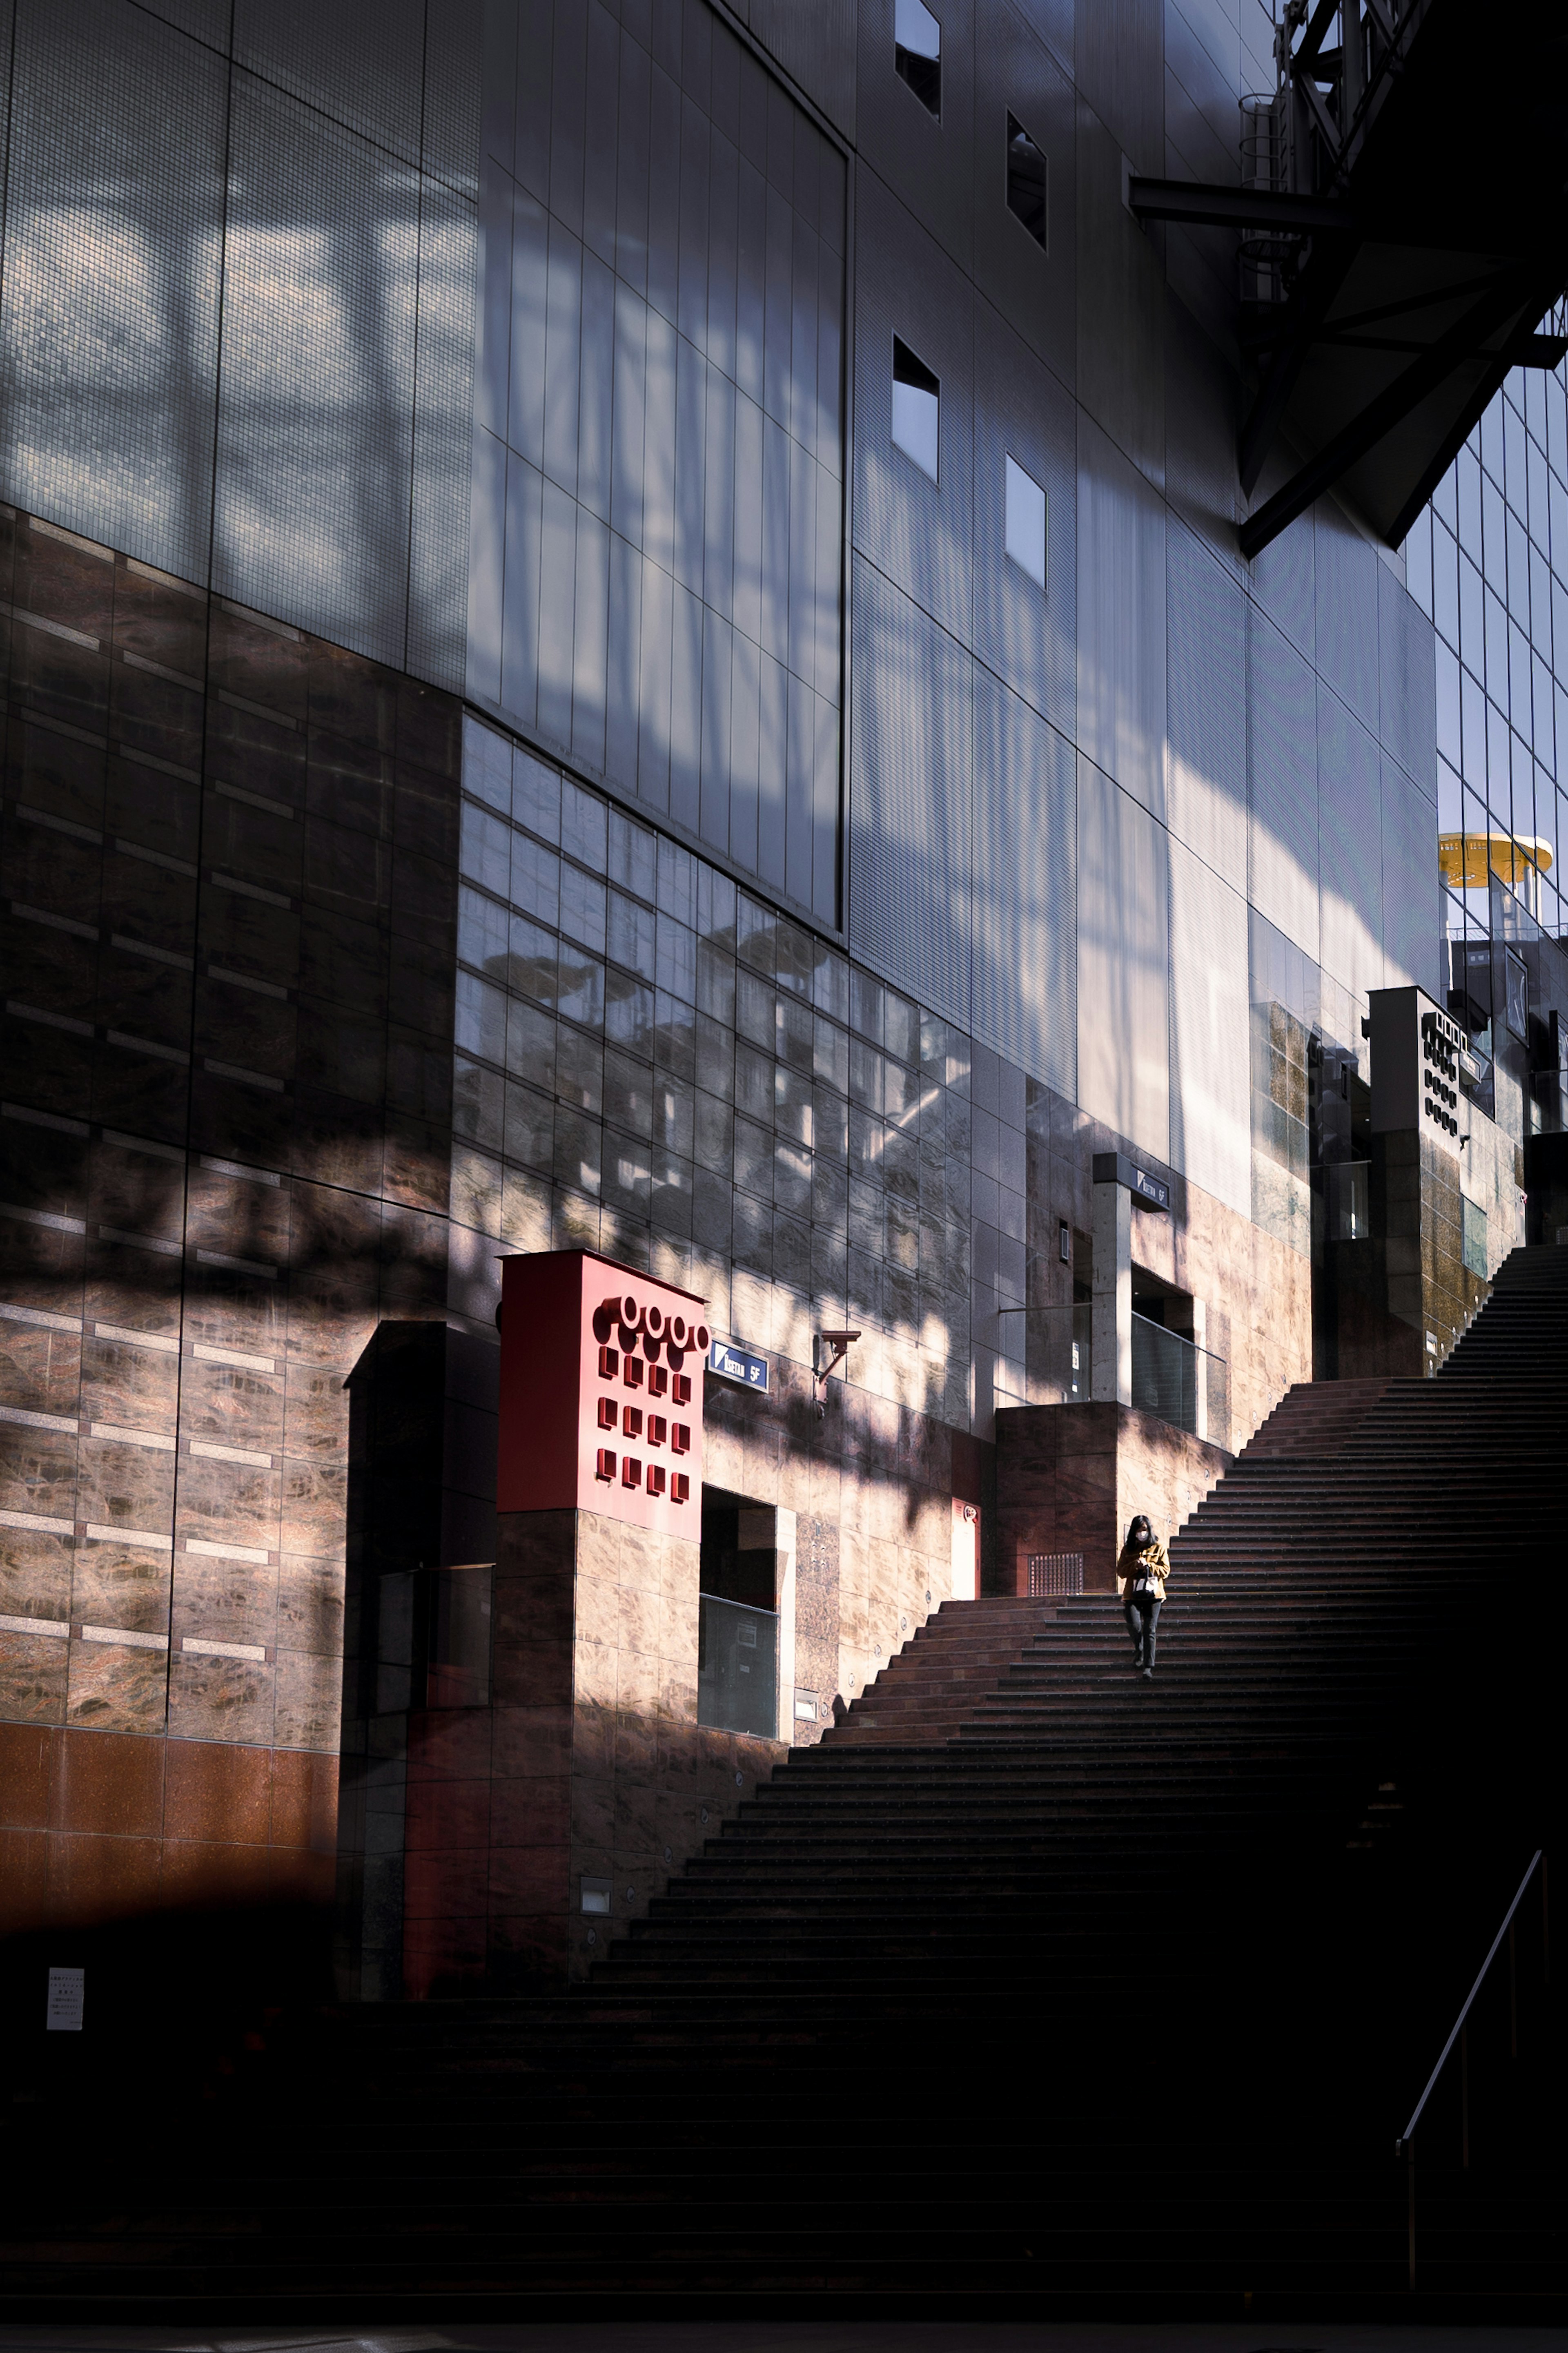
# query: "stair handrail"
[[1405, 2144]]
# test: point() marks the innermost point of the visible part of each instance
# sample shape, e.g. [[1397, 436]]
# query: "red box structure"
[[581, 1339]]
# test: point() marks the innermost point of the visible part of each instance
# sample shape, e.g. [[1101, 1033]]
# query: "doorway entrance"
[[737, 1629]]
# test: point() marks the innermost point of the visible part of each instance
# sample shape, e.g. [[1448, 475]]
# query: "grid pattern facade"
[[228, 942], [1489, 562], [653, 1063]]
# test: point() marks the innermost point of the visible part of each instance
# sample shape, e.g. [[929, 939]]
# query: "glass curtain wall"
[[1489, 562]]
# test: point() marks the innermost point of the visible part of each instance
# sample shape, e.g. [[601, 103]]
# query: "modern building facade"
[[625, 633]]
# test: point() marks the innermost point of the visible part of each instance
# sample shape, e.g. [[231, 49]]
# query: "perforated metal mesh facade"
[[661, 364], [1282, 785], [1123, 941], [1350, 847], [345, 345], [910, 851], [443, 434], [1025, 988], [1026, 635], [1411, 894], [317, 401], [1206, 771], [638, 557], [359, 62], [1245, 710], [1210, 1115], [109, 302], [1346, 628]]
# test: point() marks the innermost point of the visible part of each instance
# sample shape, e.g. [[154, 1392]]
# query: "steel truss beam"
[[1463, 340]]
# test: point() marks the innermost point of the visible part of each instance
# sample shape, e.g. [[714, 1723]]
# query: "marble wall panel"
[[33, 1678], [37, 1471], [220, 1699], [125, 1484], [116, 1687], [40, 1370], [232, 1600], [34, 1574], [223, 1309], [314, 1508], [129, 1385], [139, 1192], [121, 1585], [309, 1607], [309, 1691], [229, 1502]]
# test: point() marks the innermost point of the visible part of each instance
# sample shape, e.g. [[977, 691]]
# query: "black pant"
[[1143, 1616]]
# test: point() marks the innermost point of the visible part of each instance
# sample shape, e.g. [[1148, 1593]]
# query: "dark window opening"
[[916, 394], [917, 52], [1025, 180], [739, 1562]]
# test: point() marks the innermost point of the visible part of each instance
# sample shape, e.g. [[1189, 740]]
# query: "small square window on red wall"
[[655, 1478], [631, 1470], [658, 1429], [680, 1487], [631, 1421], [606, 1463], [609, 1364], [609, 1413], [658, 1380], [680, 1439], [681, 1389], [633, 1374]]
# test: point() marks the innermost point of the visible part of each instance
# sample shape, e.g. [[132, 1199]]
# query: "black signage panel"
[[1115, 1168]]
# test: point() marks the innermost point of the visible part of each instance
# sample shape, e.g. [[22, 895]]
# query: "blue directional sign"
[[733, 1364]]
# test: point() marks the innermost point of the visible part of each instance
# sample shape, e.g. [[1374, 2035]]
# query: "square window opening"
[[917, 402], [1025, 522], [1027, 181], [917, 52]]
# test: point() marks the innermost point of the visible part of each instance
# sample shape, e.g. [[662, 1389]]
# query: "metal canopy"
[[1404, 232]]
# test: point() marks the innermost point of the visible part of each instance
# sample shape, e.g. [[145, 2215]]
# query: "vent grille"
[[1054, 1574]]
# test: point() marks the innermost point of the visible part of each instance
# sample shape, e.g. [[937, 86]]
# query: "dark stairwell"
[[1034, 1988]]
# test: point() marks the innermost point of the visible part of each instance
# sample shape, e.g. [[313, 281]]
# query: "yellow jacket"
[[1153, 1562]]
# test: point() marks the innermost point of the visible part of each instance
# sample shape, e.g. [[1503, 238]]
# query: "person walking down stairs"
[[1140, 1574]]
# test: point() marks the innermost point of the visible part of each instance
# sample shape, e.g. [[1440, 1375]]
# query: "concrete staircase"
[[927, 1690], [1313, 1418], [924, 1694], [1037, 1988]]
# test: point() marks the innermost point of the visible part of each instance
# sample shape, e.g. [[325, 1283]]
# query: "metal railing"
[[1303, 137], [1171, 1376], [1184, 1384], [1405, 2144]]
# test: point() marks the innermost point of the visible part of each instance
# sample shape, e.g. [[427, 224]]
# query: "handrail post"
[[1465, 2096], [1513, 1994], [1461, 2034], [1458, 2025]]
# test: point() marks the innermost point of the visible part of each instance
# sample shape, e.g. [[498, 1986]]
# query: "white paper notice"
[[66, 1995]]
